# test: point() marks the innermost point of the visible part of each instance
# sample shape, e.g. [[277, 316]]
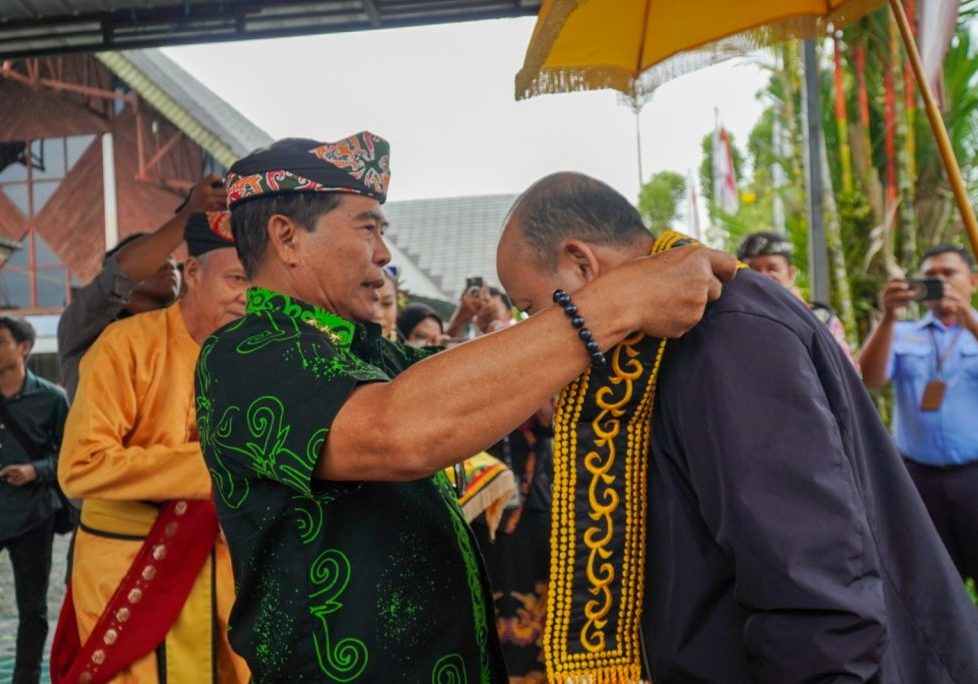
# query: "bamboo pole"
[[837, 253], [910, 108], [937, 125], [904, 184]]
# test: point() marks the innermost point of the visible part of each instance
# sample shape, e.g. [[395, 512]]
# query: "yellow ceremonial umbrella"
[[592, 44]]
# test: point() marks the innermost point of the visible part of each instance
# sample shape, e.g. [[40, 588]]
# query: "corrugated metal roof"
[[412, 278], [204, 117], [36, 27], [450, 239]]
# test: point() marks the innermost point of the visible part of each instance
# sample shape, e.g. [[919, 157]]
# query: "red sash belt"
[[147, 602]]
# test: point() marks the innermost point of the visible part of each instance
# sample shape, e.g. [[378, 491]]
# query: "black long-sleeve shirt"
[[40, 409], [786, 540]]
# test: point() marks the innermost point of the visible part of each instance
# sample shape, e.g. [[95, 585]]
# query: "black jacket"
[[40, 408], [786, 540]]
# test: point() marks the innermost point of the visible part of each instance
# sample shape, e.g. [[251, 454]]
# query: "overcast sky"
[[443, 96]]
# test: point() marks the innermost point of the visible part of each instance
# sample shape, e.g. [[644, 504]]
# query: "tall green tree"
[[659, 199], [869, 243]]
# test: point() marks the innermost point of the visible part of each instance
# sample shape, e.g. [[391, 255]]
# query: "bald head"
[[571, 206], [562, 232]]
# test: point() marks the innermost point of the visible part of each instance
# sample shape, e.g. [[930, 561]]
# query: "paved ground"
[[8, 607]]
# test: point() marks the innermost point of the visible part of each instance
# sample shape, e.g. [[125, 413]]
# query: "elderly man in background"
[[152, 585]]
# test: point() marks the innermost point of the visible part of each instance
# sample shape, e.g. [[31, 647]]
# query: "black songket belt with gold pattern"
[[602, 440]]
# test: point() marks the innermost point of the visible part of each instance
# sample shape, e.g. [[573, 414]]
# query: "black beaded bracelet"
[[563, 300]]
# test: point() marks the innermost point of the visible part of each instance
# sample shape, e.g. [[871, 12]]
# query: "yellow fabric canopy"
[[591, 44]]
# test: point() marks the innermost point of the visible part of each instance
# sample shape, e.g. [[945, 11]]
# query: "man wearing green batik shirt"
[[326, 442]]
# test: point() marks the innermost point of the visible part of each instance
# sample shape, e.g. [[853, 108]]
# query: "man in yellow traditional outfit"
[[152, 583]]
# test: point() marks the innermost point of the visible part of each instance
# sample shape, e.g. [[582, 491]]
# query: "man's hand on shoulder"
[[666, 294]]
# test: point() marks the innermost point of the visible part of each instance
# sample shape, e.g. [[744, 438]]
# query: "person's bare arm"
[[462, 400], [876, 352], [143, 257]]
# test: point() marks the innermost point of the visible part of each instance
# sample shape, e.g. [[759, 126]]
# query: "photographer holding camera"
[[933, 365], [485, 307]]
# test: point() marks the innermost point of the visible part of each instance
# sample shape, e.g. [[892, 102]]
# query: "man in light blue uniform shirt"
[[933, 365]]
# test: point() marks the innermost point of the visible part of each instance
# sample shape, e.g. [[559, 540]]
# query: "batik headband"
[[359, 164], [765, 244]]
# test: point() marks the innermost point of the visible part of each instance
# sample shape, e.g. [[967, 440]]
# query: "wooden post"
[[109, 201], [937, 125]]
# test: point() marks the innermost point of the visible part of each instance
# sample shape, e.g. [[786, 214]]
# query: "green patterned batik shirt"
[[336, 582]]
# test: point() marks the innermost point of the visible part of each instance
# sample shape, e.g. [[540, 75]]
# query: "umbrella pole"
[[937, 125], [638, 146]]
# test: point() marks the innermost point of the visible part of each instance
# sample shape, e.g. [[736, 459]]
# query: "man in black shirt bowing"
[[728, 506]]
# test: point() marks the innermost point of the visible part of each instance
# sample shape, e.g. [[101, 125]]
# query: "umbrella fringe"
[[568, 80], [575, 79], [536, 79], [545, 34]]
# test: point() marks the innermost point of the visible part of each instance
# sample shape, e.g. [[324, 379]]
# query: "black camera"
[[926, 289]]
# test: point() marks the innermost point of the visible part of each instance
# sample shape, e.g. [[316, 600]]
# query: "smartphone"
[[926, 289]]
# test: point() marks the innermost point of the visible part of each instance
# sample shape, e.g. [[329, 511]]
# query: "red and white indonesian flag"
[[725, 196], [938, 19]]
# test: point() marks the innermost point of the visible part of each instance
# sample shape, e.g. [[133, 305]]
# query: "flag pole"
[[937, 125]]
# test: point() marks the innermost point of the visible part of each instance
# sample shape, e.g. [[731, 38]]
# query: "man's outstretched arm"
[[438, 412], [143, 257], [875, 356]]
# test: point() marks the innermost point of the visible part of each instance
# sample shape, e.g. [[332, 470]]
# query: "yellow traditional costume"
[[130, 451]]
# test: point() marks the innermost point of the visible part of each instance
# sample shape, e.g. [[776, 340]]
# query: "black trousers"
[[30, 556], [951, 497]]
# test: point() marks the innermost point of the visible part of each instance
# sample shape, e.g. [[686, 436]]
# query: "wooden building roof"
[[167, 128], [204, 117]]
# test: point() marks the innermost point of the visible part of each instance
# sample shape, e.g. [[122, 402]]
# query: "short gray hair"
[[564, 206]]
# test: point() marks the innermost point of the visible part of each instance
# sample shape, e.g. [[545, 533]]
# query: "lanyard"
[[939, 356]]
